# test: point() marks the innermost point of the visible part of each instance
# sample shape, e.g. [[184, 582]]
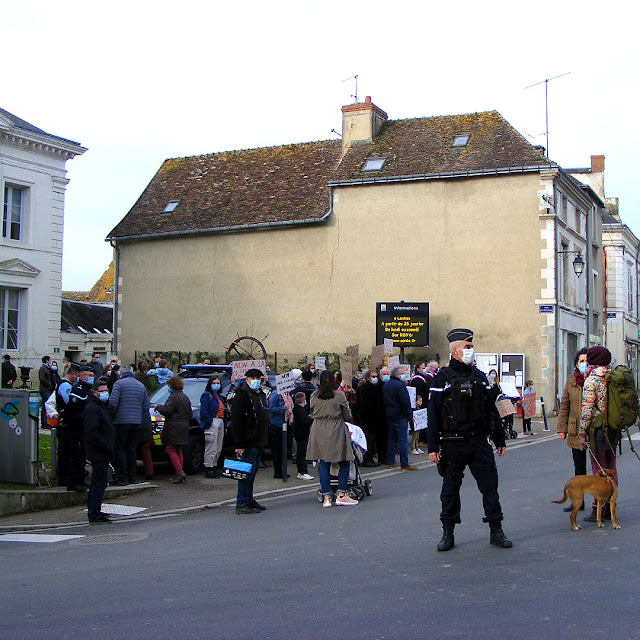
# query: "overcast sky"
[[139, 81]]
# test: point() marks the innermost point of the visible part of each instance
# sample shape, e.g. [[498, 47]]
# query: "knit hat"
[[599, 356]]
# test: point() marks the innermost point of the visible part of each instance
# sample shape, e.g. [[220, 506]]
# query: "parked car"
[[195, 379]]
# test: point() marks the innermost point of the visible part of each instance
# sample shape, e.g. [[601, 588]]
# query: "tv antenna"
[[353, 95], [546, 103]]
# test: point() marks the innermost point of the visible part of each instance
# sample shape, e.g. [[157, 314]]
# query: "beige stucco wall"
[[469, 247]]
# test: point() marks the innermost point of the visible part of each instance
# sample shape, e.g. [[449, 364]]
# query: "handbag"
[[236, 469]]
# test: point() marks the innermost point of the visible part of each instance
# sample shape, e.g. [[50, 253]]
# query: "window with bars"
[[9, 316], [13, 212]]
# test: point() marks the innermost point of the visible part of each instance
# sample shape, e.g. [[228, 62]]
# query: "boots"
[[498, 538], [570, 508], [447, 540], [593, 517], [606, 511]]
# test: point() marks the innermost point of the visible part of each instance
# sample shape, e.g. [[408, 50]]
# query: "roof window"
[[373, 164], [461, 140], [171, 206]]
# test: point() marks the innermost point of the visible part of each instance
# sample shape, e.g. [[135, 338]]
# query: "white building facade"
[[32, 186]]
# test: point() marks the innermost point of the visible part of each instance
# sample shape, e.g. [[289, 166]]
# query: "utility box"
[[18, 435]]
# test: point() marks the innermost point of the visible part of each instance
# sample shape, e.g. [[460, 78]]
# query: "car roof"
[[204, 370]]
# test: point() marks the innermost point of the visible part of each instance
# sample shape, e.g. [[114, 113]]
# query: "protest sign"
[[388, 345], [346, 368], [354, 352], [392, 362], [286, 382], [406, 369], [529, 405], [240, 367], [377, 354], [419, 419], [320, 363], [412, 396]]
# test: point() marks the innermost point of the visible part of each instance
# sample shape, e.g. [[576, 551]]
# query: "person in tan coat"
[[569, 415], [329, 439], [177, 418]]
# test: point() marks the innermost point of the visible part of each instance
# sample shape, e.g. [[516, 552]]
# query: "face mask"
[[385, 378], [582, 367], [374, 380], [491, 378], [468, 356], [157, 365], [312, 370], [255, 384], [104, 396], [215, 387], [360, 376], [90, 381], [403, 377], [54, 368]]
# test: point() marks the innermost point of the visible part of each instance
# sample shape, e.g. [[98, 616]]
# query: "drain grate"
[[115, 538]]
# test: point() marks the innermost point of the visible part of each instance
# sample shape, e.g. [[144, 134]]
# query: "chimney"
[[361, 122], [597, 164]]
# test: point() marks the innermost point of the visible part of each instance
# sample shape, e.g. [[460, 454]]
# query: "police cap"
[[460, 334], [75, 367], [86, 367]]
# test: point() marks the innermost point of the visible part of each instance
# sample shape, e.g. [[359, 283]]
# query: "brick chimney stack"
[[361, 122], [597, 164]]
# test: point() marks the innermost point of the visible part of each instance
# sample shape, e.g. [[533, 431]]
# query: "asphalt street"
[[371, 571]]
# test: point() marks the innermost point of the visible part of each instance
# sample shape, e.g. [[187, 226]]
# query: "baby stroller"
[[507, 418], [356, 488]]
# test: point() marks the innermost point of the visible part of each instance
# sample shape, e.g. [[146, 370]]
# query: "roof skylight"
[[373, 164], [171, 206], [461, 140]]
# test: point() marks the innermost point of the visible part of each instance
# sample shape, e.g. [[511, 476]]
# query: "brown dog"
[[603, 487]]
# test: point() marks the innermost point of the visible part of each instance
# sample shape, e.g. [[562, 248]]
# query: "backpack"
[[621, 408]]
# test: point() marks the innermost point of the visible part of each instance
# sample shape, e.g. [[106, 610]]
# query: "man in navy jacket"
[[397, 406]]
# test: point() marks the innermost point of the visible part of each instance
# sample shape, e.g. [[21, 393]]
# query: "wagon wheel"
[[246, 348]]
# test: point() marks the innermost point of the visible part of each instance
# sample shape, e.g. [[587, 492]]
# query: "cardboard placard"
[[419, 419], [240, 367], [393, 362], [377, 356], [505, 407], [286, 382], [320, 362], [529, 405], [388, 345]]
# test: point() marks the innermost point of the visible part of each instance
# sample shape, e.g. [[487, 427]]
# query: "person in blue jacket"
[[212, 421]]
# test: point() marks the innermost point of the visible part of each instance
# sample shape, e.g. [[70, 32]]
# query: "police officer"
[[462, 415]]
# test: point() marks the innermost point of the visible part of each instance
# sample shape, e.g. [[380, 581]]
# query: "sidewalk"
[[162, 497]]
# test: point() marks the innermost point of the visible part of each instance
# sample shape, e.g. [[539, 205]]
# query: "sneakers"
[[246, 510], [409, 467], [416, 452], [419, 450], [304, 476], [326, 503], [345, 501]]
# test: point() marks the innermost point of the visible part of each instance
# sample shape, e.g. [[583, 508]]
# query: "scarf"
[[579, 378]]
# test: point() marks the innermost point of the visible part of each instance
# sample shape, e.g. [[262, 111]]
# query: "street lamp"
[[578, 263]]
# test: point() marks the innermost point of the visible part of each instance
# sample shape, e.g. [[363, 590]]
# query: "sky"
[[137, 82]]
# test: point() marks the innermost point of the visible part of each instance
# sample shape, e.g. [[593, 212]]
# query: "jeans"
[[325, 476], [126, 443], [97, 489], [245, 487], [44, 395], [399, 429], [174, 451]]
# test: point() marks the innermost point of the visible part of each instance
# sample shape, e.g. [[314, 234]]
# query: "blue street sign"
[[546, 308]]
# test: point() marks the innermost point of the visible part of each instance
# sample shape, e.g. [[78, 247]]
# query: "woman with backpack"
[[594, 398]]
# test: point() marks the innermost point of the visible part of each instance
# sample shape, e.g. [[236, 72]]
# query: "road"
[[302, 572]]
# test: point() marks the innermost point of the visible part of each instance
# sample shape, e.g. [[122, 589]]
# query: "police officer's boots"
[[498, 538], [447, 539]]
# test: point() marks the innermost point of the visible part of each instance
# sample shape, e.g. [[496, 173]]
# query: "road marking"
[[120, 509], [35, 537]]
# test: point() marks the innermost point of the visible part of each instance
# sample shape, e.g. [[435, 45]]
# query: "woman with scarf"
[[594, 400]]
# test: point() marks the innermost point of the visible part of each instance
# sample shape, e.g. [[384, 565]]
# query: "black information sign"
[[406, 323]]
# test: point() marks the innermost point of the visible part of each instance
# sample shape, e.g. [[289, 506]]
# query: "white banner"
[[320, 363], [240, 367]]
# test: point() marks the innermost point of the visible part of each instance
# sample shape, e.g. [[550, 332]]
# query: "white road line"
[[35, 537]]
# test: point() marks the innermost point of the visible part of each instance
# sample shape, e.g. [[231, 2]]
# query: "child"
[[526, 422], [415, 435], [301, 427]]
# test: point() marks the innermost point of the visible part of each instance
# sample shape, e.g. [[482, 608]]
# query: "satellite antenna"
[[546, 103], [353, 95]]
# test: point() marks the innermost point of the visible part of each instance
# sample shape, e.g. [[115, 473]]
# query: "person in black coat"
[[9, 374], [370, 414], [100, 445], [302, 422]]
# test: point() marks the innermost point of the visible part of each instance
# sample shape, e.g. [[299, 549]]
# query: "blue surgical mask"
[[215, 387], [582, 367], [54, 368], [403, 377], [104, 396], [254, 384], [90, 380], [386, 378]]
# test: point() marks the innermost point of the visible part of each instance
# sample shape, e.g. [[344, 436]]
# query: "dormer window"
[[461, 140], [373, 164], [171, 206]]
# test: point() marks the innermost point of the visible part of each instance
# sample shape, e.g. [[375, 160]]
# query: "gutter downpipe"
[[116, 270]]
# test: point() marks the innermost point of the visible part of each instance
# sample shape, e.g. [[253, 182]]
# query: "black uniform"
[[462, 415], [75, 434]]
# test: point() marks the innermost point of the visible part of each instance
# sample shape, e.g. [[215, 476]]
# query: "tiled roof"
[[423, 146], [290, 183], [102, 291], [271, 184]]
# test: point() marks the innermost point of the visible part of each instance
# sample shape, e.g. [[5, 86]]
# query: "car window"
[[193, 387]]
